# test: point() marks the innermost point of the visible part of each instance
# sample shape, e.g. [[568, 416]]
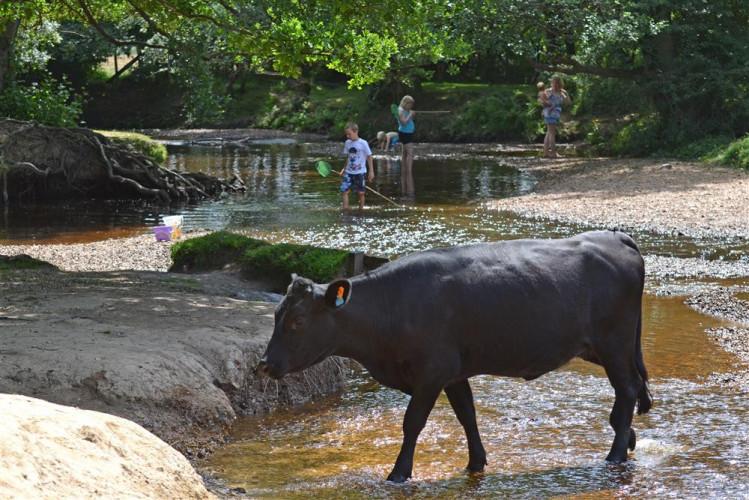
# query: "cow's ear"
[[338, 293]]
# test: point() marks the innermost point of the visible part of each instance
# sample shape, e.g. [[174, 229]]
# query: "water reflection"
[[286, 200]]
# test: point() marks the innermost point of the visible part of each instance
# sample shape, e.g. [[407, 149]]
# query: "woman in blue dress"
[[556, 97]]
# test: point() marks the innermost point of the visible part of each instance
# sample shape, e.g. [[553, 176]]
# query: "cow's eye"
[[296, 323]]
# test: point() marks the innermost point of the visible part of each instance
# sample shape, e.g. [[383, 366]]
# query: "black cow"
[[429, 321]]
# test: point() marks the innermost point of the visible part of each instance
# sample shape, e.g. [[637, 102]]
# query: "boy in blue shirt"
[[358, 163]]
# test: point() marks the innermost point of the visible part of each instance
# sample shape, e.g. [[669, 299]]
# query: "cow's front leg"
[[461, 399], [421, 404]]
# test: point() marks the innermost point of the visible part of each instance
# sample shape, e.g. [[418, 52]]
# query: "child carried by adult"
[[552, 100]]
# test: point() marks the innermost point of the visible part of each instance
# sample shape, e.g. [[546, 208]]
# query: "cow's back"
[[517, 308]]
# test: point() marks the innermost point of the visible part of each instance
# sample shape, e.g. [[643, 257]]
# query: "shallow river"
[[544, 438]]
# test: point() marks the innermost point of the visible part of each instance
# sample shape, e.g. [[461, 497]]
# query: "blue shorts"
[[551, 120], [353, 180]]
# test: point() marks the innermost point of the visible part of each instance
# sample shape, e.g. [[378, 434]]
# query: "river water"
[[545, 438]]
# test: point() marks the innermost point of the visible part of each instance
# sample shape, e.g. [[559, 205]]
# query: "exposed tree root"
[[49, 163]]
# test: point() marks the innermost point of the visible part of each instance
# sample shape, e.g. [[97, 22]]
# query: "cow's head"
[[305, 331]]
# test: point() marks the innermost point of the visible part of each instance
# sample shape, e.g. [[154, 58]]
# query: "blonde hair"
[[380, 135], [407, 99], [352, 126], [540, 85]]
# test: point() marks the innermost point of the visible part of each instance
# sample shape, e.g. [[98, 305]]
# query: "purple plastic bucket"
[[163, 233]]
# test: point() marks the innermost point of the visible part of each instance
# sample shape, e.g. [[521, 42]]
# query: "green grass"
[[140, 142], [212, 251], [278, 262], [258, 259]]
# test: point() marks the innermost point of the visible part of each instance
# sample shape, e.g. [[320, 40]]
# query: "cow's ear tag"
[[338, 293]]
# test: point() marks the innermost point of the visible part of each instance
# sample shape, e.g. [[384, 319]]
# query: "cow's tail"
[[644, 397]]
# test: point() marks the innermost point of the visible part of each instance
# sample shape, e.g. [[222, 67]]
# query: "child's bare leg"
[[408, 155], [552, 141], [345, 200], [361, 201]]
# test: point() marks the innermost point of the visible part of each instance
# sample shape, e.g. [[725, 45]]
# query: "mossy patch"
[[140, 142], [259, 260], [211, 252], [277, 262], [22, 262]]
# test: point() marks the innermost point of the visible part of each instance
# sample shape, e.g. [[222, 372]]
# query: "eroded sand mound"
[[53, 451]]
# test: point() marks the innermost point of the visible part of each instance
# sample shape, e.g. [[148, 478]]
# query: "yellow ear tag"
[[339, 297]]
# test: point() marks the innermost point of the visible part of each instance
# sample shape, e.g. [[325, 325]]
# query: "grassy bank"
[[140, 142]]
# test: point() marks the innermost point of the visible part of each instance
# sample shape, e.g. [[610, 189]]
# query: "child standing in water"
[[406, 130], [358, 163]]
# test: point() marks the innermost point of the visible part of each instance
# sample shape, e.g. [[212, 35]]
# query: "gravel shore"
[[141, 253], [668, 198]]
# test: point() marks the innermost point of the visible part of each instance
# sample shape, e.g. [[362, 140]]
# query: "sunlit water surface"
[[286, 200]]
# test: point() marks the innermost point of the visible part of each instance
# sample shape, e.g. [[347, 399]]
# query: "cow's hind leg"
[[417, 412], [461, 399], [627, 384]]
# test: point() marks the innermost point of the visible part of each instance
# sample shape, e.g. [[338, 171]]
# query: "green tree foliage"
[[678, 64], [686, 58]]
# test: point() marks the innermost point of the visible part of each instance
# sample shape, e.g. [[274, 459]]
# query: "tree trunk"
[[7, 41]]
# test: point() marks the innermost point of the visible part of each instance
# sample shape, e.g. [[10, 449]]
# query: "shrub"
[[610, 97], [292, 107], [707, 148], [500, 115], [640, 136], [736, 154], [47, 102]]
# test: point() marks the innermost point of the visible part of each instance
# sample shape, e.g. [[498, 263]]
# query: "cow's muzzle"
[[267, 369]]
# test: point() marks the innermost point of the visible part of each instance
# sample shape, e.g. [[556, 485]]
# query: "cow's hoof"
[[397, 477], [477, 466], [632, 440], [616, 459]]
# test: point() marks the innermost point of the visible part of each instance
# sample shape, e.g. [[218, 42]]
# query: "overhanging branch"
[[87, 14]]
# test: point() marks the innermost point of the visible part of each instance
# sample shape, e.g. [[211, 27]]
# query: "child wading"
[[358, 163]]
